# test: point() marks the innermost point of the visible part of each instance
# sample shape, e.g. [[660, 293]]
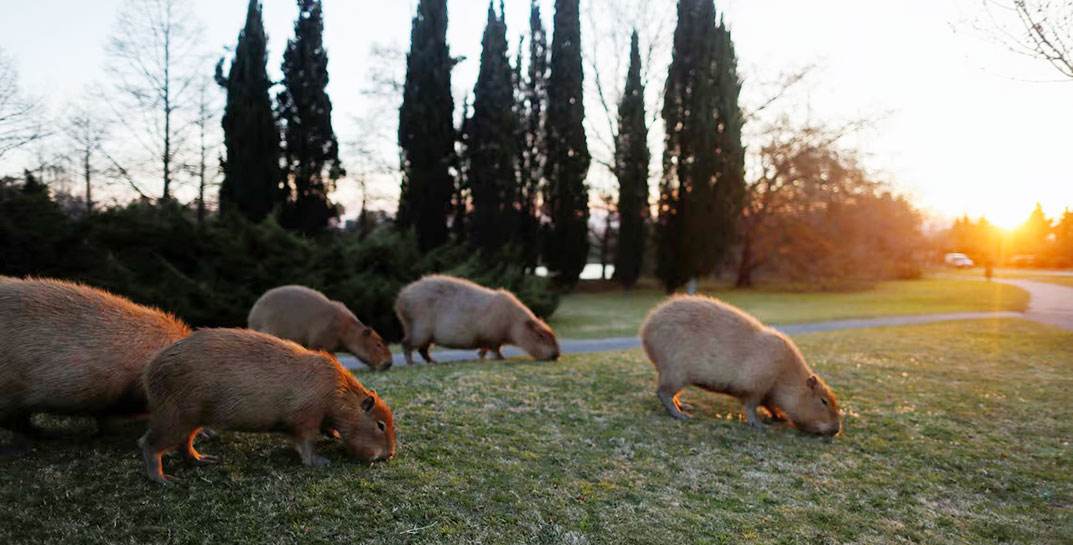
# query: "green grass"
[[618, 313], [955, 433]]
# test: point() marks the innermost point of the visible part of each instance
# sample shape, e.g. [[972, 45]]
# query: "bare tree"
[[87, 132], [154, 57], [20, 116], [605, 232], [606, 56], [208, 108], [1041, 29], [794, 166]]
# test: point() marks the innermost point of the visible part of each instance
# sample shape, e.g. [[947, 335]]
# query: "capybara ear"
[[812, 382], [367, 332], [367, 403]]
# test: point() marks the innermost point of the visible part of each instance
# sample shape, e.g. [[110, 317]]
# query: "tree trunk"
[[89, 187], [746, 265], [167, 110]]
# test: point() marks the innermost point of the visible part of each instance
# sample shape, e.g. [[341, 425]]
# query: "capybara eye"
[[824, 401], [380, 424], [366, 332]]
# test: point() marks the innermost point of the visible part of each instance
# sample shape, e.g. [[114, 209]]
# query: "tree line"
[[1038, 242], [509, 177], [515, 169]]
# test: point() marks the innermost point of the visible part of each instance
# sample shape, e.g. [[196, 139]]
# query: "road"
[[1048, 303]]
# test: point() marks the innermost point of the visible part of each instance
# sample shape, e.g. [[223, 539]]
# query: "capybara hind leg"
[[497, 354], [668, 395], [408, 352], [193, 454]]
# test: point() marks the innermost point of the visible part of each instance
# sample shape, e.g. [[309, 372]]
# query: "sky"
[[962, 125]]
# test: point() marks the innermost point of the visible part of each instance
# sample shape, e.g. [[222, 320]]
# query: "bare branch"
[[20, 116]]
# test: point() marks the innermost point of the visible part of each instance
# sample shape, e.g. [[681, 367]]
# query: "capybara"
[[307, 317], [242, 380], [67, 348], [695, 340], [456, 313]]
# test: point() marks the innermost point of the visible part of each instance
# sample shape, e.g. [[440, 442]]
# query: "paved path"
[[1048, 303], [581, 346]]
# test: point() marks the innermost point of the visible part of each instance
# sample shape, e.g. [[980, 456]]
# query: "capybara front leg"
[[497, 354], [193, 454], [408, 351], [481, 353], [424, 354], [153, 454], [20, 443], [751, 417], [304, 446], [668, 395], [776, 414]]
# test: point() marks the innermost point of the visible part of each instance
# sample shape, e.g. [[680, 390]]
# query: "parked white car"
[[958, 260]]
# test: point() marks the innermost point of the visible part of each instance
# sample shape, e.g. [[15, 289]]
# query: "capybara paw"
[[207, 434], [680, 416], [165, 479], [758, 426], [685, 406], [317, 461], [207, 459], [14, 450]]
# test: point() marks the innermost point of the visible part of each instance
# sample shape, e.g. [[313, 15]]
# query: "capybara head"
[[816, 410], [365, 343], [366, 426], [536, 338]]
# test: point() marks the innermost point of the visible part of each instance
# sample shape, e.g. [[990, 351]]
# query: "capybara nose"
[[555, 356]]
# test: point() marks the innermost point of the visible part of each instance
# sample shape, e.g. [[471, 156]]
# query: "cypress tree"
[[566, 196], [490, 142], [703, 162], [631, 169], [251, 184], [426, 128], [311, 152], [532, 91]]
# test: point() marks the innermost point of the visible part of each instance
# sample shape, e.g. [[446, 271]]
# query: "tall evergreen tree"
[[566, 197], [532, 99], [426, 128], [631, 169], [490, 142], [251, 184], [311, 152], [703, 162]]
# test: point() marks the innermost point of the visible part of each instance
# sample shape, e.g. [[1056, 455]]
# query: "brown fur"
[[307, 317], [456, 313], [242, 380], [66, 348], [700, 341]]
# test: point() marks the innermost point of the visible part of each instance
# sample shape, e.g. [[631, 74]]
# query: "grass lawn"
[[618, 313], [956, 433]]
